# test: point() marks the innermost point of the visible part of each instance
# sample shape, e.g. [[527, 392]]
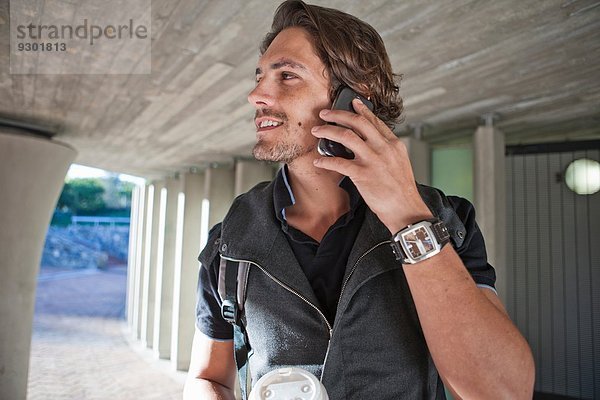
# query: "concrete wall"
[[165, 269], [490, 197], [189, 211], [32, 172], [452, 170]]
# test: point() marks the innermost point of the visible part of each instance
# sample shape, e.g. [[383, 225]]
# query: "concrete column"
[[150, 267], [32, 173], [489, 194], [219, 192], [131, 267], [145, 278], [248, 173], [140, 261], [165, 268], [187, 248], [420, 158]]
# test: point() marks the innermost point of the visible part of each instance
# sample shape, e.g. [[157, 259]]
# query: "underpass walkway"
[[80, 348]]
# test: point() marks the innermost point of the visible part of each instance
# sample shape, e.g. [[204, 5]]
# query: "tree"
[[126, 189], [66, 201], [82, 196]]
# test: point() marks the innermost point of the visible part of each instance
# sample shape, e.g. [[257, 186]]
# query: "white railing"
[[97, 221]]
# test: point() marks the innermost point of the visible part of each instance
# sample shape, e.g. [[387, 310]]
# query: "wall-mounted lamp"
[[583, 176]]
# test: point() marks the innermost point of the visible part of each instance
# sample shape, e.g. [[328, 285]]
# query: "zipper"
[[326, 355], [288, 288], [342, 292], [356, 264]]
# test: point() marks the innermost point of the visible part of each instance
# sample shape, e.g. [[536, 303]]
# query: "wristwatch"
[[420, 241]]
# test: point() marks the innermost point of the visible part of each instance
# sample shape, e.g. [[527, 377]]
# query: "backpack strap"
[[233, 279]]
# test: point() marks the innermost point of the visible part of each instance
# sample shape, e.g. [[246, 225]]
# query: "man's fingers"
[[356, 122], [345, 136], [363, 110], [338, 164], [363, 121]]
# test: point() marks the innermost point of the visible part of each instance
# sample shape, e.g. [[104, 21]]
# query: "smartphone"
[[342, 101]]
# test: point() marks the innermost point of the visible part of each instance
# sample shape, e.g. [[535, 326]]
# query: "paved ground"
[[79, 346]]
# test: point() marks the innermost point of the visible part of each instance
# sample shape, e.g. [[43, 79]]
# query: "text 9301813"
[[28, 46]]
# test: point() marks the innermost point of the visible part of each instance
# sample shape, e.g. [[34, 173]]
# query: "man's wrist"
[[401, 222]]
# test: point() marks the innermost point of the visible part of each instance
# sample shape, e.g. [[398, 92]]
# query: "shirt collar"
[[283, 196]]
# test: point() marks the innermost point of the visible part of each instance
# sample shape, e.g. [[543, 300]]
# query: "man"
[[326, 291]]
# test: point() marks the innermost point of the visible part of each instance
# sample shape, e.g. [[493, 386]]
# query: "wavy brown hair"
[[352, 51]]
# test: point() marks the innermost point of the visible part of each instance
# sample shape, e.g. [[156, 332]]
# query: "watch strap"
[[397, 250], [440, 230]]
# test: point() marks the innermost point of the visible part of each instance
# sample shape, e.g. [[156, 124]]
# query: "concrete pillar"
[[420, 158], [248, 173], [219, 192], [187, 248], [145, 278], [32, 173], [150, 267], [165, 268], [140, 261], [131, 266], [489, 194]]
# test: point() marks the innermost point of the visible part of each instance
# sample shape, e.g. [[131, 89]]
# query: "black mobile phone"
[[343, 101]]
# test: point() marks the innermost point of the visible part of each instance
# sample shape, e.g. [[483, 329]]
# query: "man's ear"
[[334, 87]]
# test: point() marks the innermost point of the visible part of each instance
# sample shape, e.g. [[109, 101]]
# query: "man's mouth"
[[267, 123]]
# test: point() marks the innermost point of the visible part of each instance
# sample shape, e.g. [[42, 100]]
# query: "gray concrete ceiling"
[[536, 64]]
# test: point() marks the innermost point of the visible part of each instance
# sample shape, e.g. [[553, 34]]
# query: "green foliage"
[[82, 196], [126, 188], [60, 218], [116, 212], [107, 197]]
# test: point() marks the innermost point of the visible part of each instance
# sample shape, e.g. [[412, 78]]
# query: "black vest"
[[375, 349]]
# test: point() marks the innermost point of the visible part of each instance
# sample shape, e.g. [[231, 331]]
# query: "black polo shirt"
[[323, 263]]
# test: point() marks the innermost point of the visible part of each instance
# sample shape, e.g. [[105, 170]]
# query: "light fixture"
[[583, 176]]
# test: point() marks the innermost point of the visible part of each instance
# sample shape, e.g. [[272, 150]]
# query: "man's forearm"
[[202, 389], [477, 350]]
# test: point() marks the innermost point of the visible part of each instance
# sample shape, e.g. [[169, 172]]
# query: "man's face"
[[292, 86]]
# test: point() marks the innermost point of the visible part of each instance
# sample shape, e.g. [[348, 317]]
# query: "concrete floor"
[[80, 346]]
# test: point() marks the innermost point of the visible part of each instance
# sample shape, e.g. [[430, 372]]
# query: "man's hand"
[[381, 169]]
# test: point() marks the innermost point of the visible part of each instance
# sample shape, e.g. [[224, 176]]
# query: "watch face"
[[418, 242]]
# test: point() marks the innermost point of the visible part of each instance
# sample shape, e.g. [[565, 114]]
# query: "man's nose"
[[261, 96]]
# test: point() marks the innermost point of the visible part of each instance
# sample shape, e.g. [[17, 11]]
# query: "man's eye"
[[287, 75]]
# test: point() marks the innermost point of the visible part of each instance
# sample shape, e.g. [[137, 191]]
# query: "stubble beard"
[[280, 151]]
